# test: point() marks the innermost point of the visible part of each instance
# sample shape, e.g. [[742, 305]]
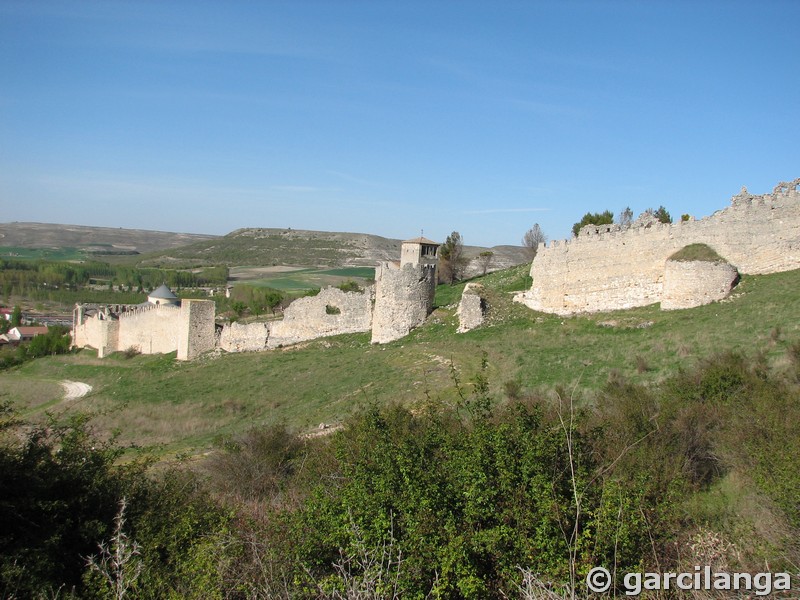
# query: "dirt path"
[[75, 389]]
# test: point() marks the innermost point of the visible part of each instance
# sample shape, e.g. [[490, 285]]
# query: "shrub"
[[697, 252]]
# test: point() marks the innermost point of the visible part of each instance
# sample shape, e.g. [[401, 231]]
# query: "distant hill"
[[94, 240], [297, 247], [251, 246]]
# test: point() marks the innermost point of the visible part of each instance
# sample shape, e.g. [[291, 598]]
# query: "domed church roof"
[[162, 292]]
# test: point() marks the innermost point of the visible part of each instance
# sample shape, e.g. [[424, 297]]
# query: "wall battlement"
[[608, 267]]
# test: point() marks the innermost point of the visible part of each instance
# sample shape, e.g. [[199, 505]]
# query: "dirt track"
[[75, 389]]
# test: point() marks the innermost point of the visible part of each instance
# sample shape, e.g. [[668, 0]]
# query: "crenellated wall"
[[149, 329], [608, 268]]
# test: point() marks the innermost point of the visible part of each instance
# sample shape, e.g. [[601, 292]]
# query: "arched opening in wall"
[[332, 310]]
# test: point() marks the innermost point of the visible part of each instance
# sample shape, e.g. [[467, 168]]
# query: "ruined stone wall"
[[625, 268], [471, 309], [403, 300], [693, 283], [244, 337], [151, 330], [331, 312], [196, 328]]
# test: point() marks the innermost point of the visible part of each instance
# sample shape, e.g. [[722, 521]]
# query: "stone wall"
[[244, 337], [403, 300], [693, 283], [622, 268], [151, 330], [331, 312], [196, 332], [96, 332]]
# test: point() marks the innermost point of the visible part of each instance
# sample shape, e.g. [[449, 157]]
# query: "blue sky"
[[391, 117]]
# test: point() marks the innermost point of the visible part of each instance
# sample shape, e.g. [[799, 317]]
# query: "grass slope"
[[264, 247], [184, 407]]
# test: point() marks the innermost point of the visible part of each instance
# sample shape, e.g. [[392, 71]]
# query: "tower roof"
[[163, 293], [422, 240]]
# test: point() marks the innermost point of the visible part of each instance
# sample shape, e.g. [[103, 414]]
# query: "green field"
[[306, 279], [184, 407]]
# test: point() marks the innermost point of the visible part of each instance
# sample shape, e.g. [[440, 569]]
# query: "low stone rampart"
[[331, 312], [244, 337], [608, 268]]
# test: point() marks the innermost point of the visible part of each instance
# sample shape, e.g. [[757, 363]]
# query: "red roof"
[[33, 330]]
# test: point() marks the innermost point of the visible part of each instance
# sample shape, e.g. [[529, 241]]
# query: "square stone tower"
[[419, 251]]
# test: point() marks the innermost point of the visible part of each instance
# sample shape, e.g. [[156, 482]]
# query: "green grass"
[[266, 248], [697, 252], [186, 406], [307, 279]]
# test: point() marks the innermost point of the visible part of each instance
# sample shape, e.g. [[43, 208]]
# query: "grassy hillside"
[[186, 406], [266, 247]]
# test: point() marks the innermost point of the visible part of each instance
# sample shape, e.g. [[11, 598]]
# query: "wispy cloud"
[[490, 211]]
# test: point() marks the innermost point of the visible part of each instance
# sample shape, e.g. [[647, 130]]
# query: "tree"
[[532, 238], [452, 261], [239, 307], [625, 217], [603, 218], [16, 316], [273, 298], [662, 215], [484, 259]]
